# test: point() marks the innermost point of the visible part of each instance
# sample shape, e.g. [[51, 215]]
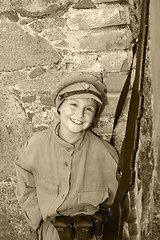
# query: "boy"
[[68, 171]]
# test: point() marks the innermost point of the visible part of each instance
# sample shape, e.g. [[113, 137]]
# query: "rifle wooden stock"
[[114, 227]]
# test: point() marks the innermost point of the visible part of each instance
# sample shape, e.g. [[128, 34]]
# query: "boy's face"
[[76, 115]]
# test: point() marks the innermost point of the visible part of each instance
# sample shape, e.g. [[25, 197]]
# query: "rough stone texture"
[[146, 158], [12, 223], [102, 16], [89, 62], [37, 72], [84, 4], [104, 1], [14, 130], [84, 41], [154, 45], [35, 7], [111, 79], [116, 61], [20, 49]]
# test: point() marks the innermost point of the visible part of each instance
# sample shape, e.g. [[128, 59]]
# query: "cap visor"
[[87, 95]]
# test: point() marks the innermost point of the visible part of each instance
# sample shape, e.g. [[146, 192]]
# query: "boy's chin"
[[79, 130], [76, 130]]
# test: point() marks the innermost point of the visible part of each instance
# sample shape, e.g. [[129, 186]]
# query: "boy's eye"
[[74, 104], [90, 109]]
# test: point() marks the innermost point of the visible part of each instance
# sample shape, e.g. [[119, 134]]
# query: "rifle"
[[126, 168]]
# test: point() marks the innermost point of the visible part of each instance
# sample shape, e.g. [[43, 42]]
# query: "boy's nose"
[[80, 112]]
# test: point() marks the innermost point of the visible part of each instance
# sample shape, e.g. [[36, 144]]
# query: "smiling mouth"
[[78, 122]]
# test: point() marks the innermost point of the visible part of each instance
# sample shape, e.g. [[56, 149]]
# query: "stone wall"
[[40, 42]]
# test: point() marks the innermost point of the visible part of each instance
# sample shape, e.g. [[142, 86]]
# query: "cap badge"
[[86, 85]]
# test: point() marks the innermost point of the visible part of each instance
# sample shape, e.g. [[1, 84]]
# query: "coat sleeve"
[[26, 193]]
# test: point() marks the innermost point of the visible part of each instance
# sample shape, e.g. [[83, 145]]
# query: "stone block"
[[35, 7], [37, 26], [114, 81], [110, 110], [84, 4], [55, 35], [134, 237], [54, 22], [37, 72], [9, 5], [30, 116], [98, 41], [12, 16], [102, 16], [28, 97], [133, 215], [16, 92], [19, 49], [45, 98], [104, 1], [12, 78], [44, 82], [26, 21], [111, 106], [84, 62], [133, 229], [104, 128], [115, 61]]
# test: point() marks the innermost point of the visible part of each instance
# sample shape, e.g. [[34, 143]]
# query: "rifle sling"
[[125, 89]]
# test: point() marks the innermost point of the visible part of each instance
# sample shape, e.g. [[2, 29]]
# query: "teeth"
[[76, 121]]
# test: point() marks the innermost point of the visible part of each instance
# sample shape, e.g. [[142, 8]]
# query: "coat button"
[[66, 164], [68, 149]]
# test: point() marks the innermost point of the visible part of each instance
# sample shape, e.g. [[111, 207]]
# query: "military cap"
[[79, 85]]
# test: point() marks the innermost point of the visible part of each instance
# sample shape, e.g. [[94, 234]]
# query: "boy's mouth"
[[78, 122]]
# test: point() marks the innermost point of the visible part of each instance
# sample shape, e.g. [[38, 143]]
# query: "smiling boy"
[[67, 172], [76, 115]]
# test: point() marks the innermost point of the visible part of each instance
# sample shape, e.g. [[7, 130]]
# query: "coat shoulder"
[[104, 143]]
